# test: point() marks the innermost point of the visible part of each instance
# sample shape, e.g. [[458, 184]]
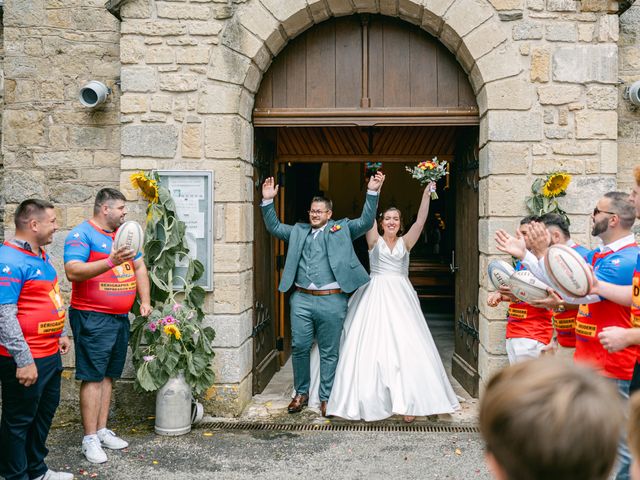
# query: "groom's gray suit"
[[320, 258]]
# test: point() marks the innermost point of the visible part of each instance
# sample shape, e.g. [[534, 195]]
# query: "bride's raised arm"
[[373, 235], [411, 237]]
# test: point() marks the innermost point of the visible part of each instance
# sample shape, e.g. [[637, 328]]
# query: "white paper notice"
[[186, 187], [187, 192]]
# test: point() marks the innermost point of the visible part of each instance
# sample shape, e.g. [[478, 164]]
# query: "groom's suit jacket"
[[338, 235]]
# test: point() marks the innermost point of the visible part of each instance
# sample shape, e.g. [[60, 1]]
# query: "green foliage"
[[172, 338], [540, 203]]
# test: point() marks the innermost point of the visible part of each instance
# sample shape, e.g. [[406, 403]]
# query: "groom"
[[323, 266]]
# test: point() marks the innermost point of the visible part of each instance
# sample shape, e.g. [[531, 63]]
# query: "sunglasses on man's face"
[[596, 211]]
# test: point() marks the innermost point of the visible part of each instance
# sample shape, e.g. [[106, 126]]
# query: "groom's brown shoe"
[[323, 409], [298, 403]]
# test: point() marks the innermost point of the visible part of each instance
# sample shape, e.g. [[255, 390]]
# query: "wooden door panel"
[[279, 83], [424, 70], [321, 66], [397, 66], [404, 68], [466, 264], [348, 70], [376, 65], [265, 354], [466, 97], [296, 66], [447, 80]]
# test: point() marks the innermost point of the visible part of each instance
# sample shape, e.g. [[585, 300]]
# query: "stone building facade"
[[549, 76]]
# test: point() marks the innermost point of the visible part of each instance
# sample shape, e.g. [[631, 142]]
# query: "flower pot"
[[173, 407]]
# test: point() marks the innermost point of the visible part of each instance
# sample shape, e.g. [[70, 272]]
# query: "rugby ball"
[[129, 235], [526, 287], [568, 270], [499, 273]]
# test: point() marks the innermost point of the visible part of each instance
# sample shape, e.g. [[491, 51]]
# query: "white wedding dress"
[[388, 362]]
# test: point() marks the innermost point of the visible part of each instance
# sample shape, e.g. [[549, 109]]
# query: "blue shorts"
[[101, 341]]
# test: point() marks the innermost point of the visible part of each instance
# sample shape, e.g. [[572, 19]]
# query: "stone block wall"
[[180, 111], [629, 115], [52, 147], [548, 98]]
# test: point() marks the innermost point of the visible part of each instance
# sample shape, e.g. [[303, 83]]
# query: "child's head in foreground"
[[634, 435], [549, 419]]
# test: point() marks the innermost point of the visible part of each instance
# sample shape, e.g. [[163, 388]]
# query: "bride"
[[388, 361]]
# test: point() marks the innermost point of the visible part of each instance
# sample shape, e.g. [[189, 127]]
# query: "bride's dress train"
[[389, 363]]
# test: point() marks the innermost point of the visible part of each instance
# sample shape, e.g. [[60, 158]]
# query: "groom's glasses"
[[316, 212]]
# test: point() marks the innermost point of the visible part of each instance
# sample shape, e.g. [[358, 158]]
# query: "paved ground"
[[213, 454], [250, 454]]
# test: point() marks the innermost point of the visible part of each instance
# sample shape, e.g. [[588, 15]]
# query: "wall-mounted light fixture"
[[632, 93], [94, 93]]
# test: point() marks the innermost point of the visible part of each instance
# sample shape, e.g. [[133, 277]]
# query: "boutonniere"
[[335, 228]]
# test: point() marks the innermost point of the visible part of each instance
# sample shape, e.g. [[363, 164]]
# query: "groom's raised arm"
[[360, 226], [271, 221]]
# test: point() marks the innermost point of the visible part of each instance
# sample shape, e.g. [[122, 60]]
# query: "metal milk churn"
[[173, 407]]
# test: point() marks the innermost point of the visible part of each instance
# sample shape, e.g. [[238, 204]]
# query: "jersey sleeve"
[[77, 246], [618, 274], [11, 281]]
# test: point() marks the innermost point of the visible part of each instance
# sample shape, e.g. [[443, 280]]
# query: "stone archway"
[[543, 74], [470, 29]]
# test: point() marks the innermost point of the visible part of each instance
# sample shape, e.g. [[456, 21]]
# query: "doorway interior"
[[336, 162]]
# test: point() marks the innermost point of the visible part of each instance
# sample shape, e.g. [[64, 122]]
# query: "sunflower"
[[556, 184], [172, 330], [148, 187]]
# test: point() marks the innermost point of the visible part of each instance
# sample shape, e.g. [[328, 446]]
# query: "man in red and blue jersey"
[[613, 263], [105, 283], [529, 328], [615, 339], [32, 337], [557, 231]]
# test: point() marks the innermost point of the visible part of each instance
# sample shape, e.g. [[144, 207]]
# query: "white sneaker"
[[51, 475], [93, 451], [109, 439]]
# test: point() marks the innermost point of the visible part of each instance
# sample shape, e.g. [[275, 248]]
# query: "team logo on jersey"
[[56, 298], [38, 272], [76, 235], [104, 245], [7, 270], [615, 262], [124, 272]]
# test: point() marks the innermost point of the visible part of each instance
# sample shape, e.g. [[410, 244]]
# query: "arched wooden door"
[[350, 86]]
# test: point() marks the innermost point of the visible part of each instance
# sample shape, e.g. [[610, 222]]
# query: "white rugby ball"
[[526, 287], [568, 270], [499, 273], [129, 235]]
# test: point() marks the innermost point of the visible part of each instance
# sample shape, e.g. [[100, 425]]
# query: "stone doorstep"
[[271, 407]]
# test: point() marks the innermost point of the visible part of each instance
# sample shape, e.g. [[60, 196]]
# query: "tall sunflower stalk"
[[172, 338], [545, 192]]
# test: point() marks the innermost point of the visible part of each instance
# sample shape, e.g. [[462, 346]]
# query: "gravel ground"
[[231, 454]]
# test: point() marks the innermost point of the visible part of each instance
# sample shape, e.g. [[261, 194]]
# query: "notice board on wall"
[[192, 192]]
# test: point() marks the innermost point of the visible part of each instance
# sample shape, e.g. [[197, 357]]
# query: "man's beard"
[[600, 227]]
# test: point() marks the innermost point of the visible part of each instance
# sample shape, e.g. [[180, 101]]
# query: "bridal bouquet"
[[429, 171]]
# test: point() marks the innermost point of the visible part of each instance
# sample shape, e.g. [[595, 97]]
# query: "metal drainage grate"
[[343, 427]]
